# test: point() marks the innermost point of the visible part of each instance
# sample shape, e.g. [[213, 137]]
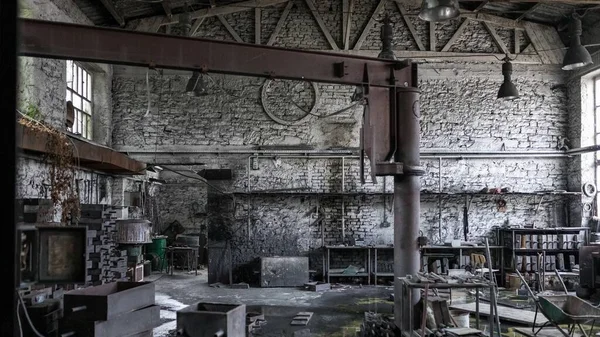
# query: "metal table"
[[367, 267], [407, 285], [191, 255]]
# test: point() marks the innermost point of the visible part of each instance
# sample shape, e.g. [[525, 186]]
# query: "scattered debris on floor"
[[317, 286], [241, 285], [301, 318], [302, 333], [254, 322], [377, 325]]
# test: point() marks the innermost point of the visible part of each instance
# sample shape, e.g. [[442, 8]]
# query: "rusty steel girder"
[[117, 46]]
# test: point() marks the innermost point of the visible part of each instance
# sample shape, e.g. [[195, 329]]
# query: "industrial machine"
[[589, 270]]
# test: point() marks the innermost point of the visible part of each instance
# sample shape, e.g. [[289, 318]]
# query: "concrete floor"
[[337, 312]]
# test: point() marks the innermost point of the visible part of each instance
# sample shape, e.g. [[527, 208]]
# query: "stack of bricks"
[[106, 262]]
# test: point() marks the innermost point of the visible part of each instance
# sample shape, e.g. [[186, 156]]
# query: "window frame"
[[83, 90], [596, 109]]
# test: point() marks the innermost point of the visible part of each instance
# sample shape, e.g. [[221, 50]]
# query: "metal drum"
[[133, 231]]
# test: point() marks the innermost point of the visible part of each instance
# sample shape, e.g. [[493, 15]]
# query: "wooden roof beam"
[[110, 7]]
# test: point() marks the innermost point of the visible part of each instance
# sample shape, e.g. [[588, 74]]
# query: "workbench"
[[191, 257], [330, 272], [409, 284]]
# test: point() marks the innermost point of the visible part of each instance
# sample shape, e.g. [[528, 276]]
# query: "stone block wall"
[[459, 113]]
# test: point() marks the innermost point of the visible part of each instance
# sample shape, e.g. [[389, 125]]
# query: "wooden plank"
[[196, 26], [481, 5], [545, 332], [166, 5], [456, 35], [370, 23], [410, 25], [528, 11], [546, 42], [537, 42], [228, 9], [110, 7], [257, 20], [431, 36], [280, 23], [321, 23], [230, 29], [348, 25], [517, 41], [344, 21], [436, 56], [496, 20], [507, 314], [495, 37]]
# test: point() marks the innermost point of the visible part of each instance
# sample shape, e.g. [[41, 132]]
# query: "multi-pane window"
[[79, 91]]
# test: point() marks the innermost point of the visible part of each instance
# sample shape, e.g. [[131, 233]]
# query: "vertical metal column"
[[406, 199]]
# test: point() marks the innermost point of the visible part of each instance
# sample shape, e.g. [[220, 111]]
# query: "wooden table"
[[191, 255]]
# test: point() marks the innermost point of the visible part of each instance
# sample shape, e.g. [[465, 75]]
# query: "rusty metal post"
[[406, 198]]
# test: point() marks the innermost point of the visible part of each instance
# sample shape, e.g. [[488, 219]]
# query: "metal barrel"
[[133, 231]]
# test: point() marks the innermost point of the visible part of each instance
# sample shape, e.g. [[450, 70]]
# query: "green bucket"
[[157, 248]]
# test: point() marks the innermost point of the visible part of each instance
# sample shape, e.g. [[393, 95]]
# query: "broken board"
[[301, 318], [506, 314], [545, 332]]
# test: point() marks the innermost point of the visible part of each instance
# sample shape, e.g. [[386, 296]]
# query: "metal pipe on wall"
[[406, 198]]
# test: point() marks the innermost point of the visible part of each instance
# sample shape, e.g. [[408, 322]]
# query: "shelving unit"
[[455, 256], [527, 248], [330, 272]]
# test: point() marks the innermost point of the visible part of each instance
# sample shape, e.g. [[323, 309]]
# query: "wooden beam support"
[[496, 37], [517, 41], [230, 29], [89, 155], [432, 36], [166, 5], [528, 11], [280, 23], [456, 34], [110, 7], [344, 21], [410, 25], [370, 23], [436, 56], [228, 9], [257, 27], [196, 25], [348, 25], [321, 23], [481, 5], [496, 20]]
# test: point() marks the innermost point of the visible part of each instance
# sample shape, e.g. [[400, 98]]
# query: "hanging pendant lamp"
[[508, 91], [439, 10], [577, 56]]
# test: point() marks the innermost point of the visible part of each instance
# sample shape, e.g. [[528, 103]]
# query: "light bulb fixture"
[[387, 35], [196, 85], [185, 22], [508, 91], [576, 56], [439, 10]]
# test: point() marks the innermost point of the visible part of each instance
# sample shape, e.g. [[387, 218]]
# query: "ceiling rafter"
[[110, 7]]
